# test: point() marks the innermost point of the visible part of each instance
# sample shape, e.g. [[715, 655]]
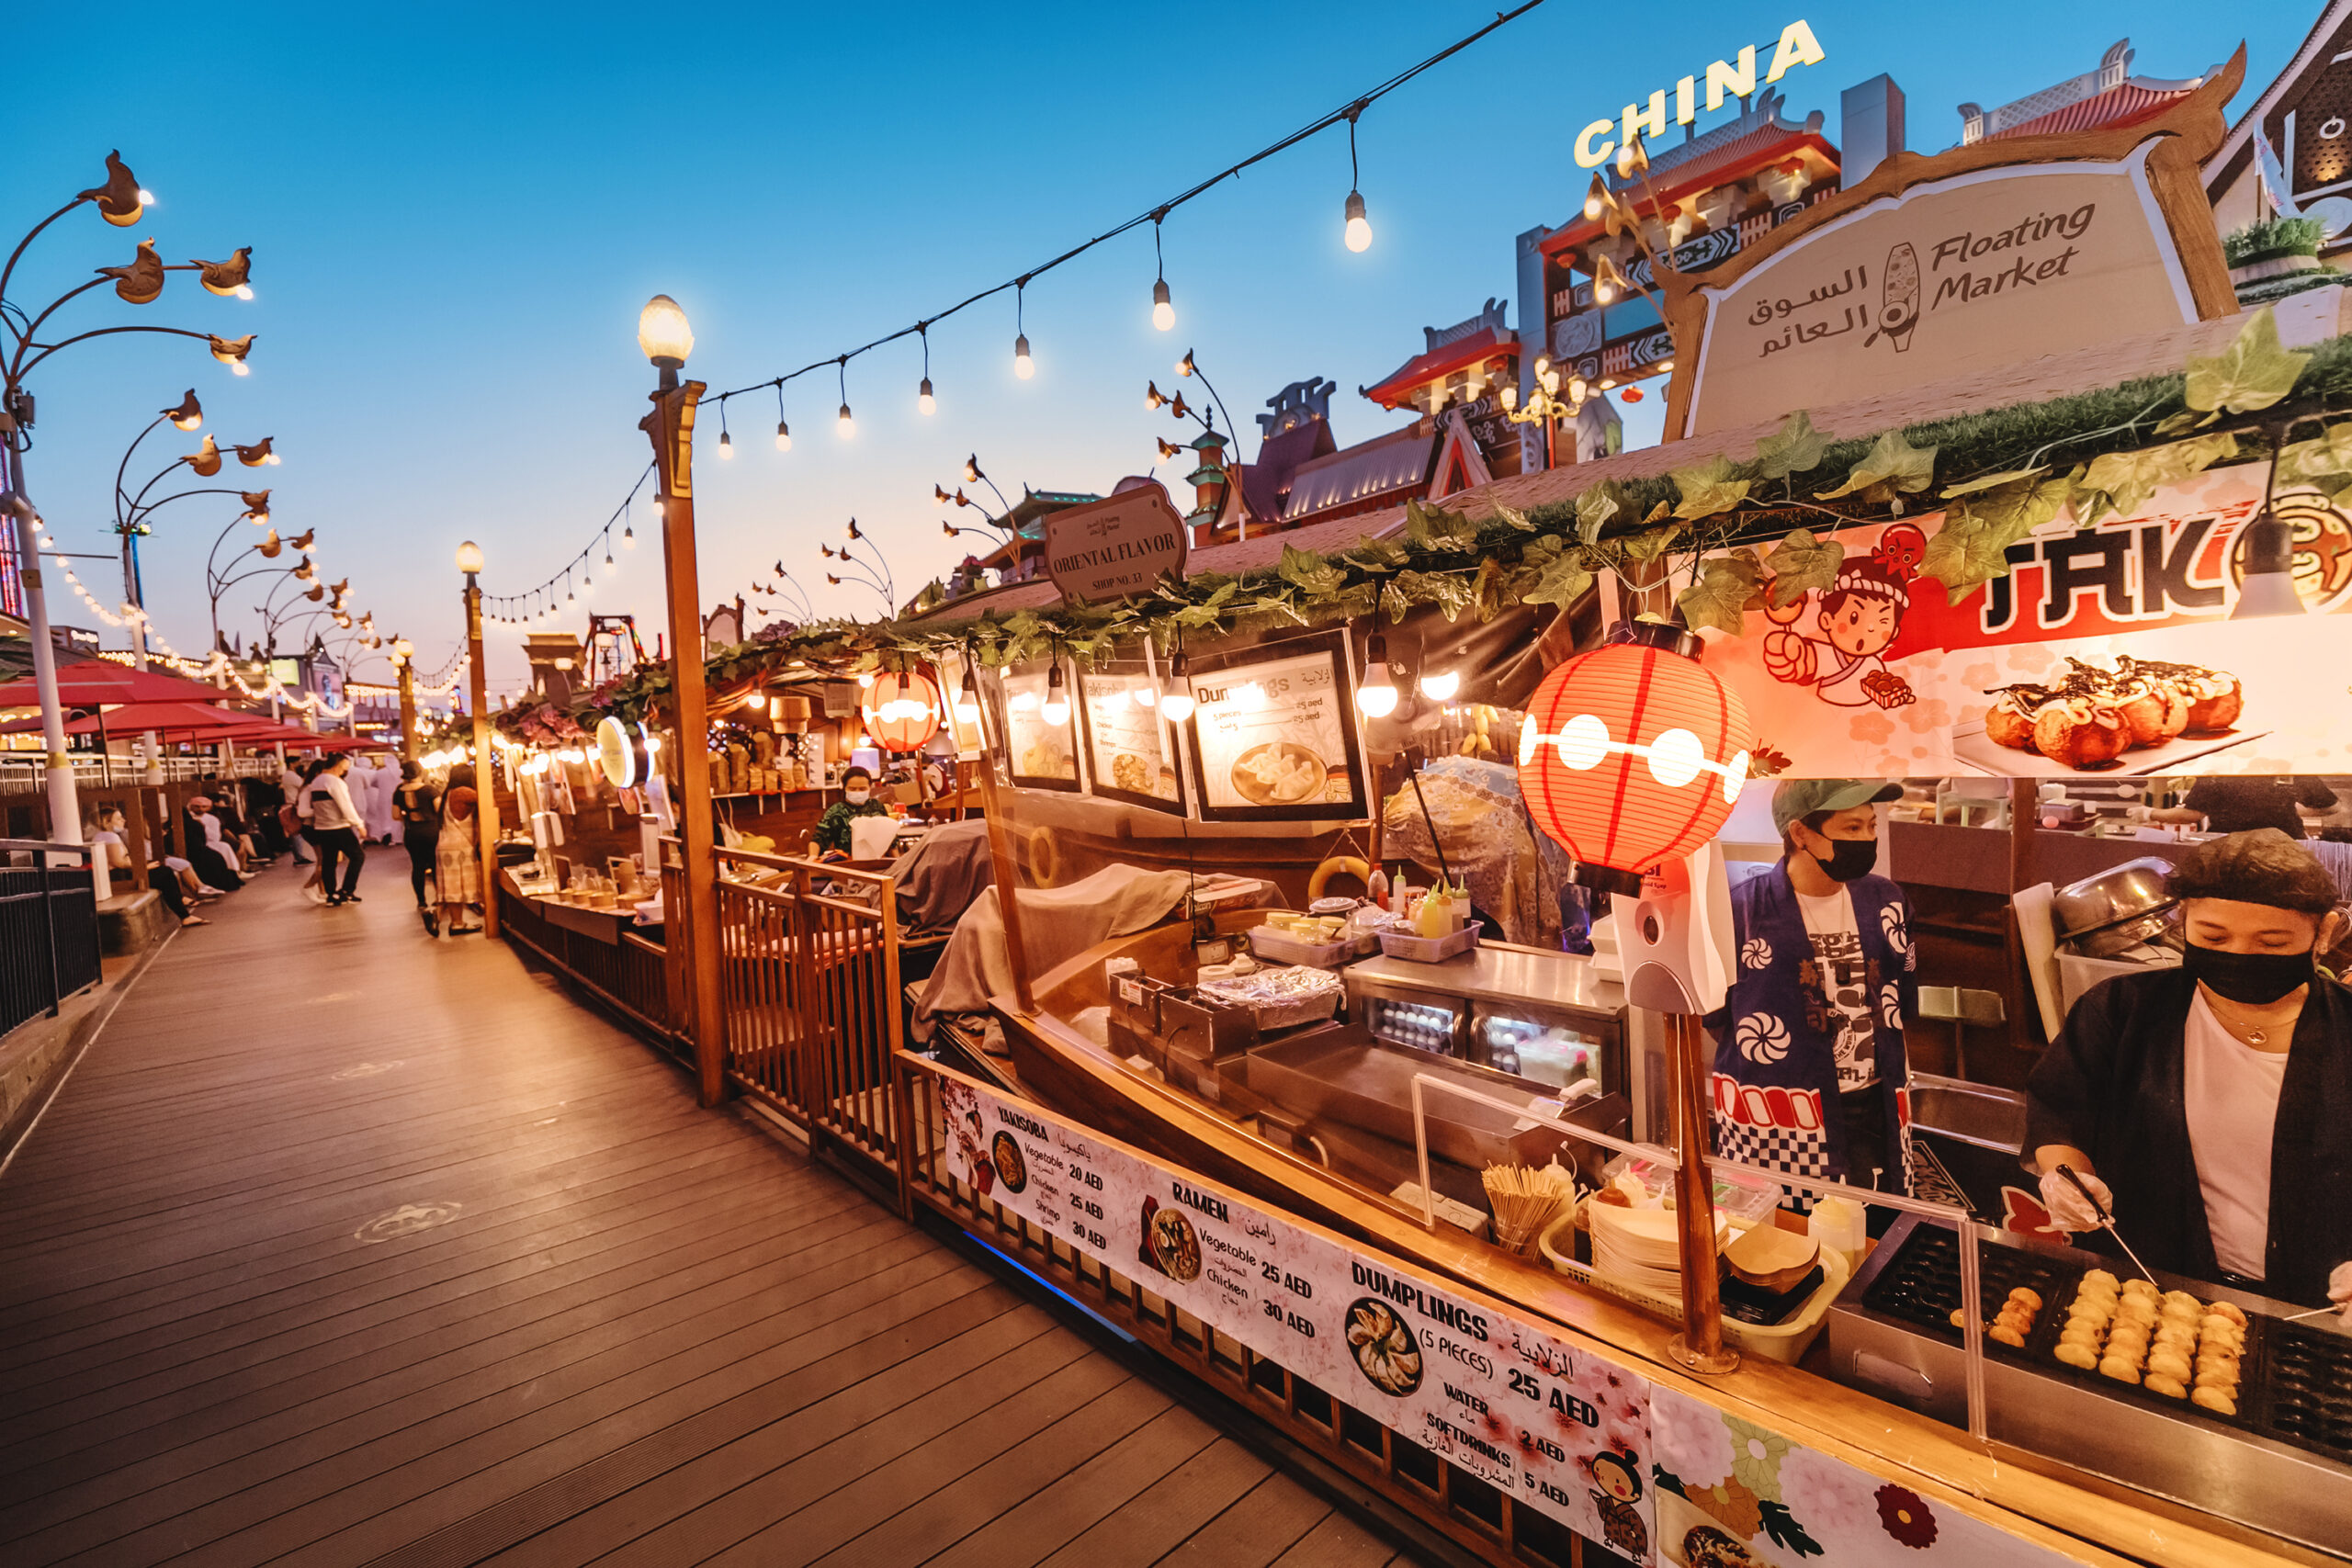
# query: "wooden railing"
[[807, 962], [629, 975]]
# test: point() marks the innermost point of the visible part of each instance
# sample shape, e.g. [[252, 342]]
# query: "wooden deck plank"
[[1338, 1542], [649, 1334]]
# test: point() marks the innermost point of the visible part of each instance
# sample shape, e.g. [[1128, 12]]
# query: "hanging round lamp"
[[901, 710], [1632, 754]]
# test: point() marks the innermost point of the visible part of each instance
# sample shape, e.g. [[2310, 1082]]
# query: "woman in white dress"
[[456, 862]]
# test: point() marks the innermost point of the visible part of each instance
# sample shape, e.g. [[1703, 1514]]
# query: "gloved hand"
[[2068, 1210], [2339, 1291]]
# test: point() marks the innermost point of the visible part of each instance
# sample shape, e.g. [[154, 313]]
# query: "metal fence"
[[49, 928]]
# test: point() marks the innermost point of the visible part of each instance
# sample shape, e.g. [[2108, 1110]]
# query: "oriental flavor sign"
[[1994, 254], [1113, 548]]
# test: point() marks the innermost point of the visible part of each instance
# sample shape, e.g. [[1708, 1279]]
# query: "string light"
[[845, 425], [1358, 232], [725, 442], [1163, 309], [924, 400], [783, 431], [1022, 366]]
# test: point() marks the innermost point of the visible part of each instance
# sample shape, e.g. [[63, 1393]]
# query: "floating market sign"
[[1988, 256], [1115, 546], [1582, 1436], [2106, 650]]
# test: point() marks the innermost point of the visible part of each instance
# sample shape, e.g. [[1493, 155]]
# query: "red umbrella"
[[89, 682], [191, 719]]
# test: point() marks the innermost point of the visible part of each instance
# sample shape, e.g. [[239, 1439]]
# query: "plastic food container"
[[1285, 947], [1785, 1342], [1428, 949]]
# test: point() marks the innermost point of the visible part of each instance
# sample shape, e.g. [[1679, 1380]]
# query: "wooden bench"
[[130, 924]]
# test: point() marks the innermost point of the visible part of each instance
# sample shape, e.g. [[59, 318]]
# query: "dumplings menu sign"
[[1275, 739]]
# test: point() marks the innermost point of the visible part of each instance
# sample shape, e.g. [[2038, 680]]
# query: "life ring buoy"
[[1337, 865], [1044, 857]]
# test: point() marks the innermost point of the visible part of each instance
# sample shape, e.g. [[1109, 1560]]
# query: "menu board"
[[1128, 755], [1582, 1435], [1557, 1427], [1274, 737], [1041, 755]]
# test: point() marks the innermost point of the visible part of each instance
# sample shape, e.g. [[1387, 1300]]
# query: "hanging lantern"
[[900, 710], [1632, 754]]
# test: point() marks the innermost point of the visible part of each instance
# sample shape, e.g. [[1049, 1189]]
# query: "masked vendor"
[[830, 838], [2208, 1106], [1809, 1069]]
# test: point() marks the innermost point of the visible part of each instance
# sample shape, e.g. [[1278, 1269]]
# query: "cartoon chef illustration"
[[1855, 621], [1618, 1479]]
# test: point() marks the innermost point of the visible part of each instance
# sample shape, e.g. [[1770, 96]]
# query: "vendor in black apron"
[[2208, 1106]]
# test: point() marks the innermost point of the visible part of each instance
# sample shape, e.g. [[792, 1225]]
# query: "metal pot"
[[2122, 906]]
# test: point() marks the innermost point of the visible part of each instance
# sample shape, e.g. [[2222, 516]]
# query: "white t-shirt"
[[1837, 952], [2233, 1101]]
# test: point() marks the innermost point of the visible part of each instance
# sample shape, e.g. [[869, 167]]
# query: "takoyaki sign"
[[1990, 255], [2107, 649]]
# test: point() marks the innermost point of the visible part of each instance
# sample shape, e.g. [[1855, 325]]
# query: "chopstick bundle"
[[1525, 1199]]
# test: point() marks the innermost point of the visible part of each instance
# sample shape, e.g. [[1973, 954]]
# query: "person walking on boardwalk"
[[419, 809], [335, 827], [456, 866]]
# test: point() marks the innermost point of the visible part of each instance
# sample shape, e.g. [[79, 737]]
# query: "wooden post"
[[670, 427], [1008, 881], [408, 708], [134, 837], [1699, 1346], [485, 765]]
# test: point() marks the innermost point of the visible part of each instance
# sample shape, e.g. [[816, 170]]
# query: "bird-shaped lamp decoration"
[[260, 452], [342, 588], [189, 414], [140, 282], [1169, 454], [939, 495], [120, 201], [853, 529], [231, 279], [205, 460], [231, 351], [305, 572], [825, 550], [256, 505], [1177, 408], [315, 594], [972, 474], [1153, 399], [270, 545], [301, 541], [831, 578]]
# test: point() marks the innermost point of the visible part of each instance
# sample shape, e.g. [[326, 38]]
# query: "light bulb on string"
[[1440, 687], [924, 400], [845, 427], [1176, 702], [1022, 364], [783, 431], [1163, 309], [1358, 232], [1376, 695], [1056, 708]]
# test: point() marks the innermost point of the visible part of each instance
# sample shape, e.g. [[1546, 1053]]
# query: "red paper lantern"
[[1634, 753], [901, 711]]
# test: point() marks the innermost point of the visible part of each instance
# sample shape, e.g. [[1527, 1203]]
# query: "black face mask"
[[2256, 979], [1848, 858]]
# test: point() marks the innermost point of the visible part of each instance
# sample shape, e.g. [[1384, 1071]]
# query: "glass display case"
[[1547, 1018]]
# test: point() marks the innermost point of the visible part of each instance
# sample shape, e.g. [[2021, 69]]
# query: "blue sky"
[[457, 212]]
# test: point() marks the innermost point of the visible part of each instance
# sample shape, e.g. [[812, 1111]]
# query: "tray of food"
[[1280, 996], [1321, 941], [2143, 716]]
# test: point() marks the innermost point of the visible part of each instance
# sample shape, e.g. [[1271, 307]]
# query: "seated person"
[[830, 839], [104, 834]]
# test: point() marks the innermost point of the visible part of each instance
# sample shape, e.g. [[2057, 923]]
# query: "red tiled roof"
[[1442, 360], [1736, 159], [2123, 105]]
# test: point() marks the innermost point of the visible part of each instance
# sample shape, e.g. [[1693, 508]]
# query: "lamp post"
[[404, 658], [485, 777], [120, 202], [663, 333]]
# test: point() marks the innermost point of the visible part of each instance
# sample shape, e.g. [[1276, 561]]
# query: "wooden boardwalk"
[[344, 1247]]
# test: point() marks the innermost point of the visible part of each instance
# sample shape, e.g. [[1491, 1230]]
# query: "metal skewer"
[[2106, 1220], [2315, 1312]]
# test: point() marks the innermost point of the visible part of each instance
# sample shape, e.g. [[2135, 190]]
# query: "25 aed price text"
[[1274, 1275]]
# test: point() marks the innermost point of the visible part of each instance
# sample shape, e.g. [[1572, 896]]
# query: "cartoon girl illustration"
[[1855, 622], [1618, 1476]]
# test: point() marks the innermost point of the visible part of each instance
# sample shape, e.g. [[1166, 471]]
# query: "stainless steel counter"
[[1510, 975]]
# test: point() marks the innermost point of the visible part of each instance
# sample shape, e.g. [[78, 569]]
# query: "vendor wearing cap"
[[2208, 1106], [1809, 1071]]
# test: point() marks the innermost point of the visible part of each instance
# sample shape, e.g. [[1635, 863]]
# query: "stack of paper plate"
[[1641, 1246]]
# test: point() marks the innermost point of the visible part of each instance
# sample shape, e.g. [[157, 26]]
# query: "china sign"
[[1113, 548]]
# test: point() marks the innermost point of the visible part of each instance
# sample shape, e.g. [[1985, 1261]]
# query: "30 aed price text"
[[1302, 1326], [1094, 1239]]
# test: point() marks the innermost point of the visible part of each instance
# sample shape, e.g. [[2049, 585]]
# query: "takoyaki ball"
[[2006, 1335], [2168, 1364], [2077, 1354], [2141, 1288], [2180, 1334], [2031, 1298], [2230, 1310], [2161, 1383], [2080, 733], [2181, 1298], [2213, 1399], [2090, 1332], [1959, 1320], [2119, 1368], [2006, 724], [2219, 1330], [2099, 1277]]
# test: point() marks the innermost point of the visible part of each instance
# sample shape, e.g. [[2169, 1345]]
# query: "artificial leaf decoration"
[[1712, 486], [1377, 555], [1595, 507], [1801, 564], [1515, 517], [1991, 482], [1647, 547], [1434, 528], [1792, 449], [1310, 573], [1972, 547], [2326, 460], [1566, 577], [2253, 373], [1892, 470], [2125, 481], [1720, 597]]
